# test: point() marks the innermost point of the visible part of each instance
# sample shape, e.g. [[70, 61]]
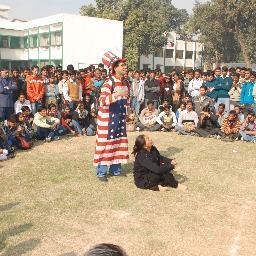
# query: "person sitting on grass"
[[230, 127], [46, 127], [167, 119], [248, 128], [151, 170], [147, 119], [181, 108], [4, 147], [188, 120]]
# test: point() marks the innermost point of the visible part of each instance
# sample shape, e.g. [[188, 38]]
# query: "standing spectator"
[[167, 89], [247, 99], [235, 92], [195, 84], [97, 82], [137, 92], [63, 84], [222, 88], [248, 128], [73, 92], [152, 89], [51, 91], [242, 78], [178, 91], [21, 84], [188, 120], [210, 84], [35, 89], [201, 101], [7, 89], [22, 101], [44, 75]]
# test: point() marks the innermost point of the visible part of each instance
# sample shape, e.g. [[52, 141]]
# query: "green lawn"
[[52, 204]]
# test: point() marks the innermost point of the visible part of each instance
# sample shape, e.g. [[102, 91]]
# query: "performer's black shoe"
[[103, 179]]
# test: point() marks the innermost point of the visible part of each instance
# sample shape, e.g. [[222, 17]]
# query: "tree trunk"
[[244, 49]]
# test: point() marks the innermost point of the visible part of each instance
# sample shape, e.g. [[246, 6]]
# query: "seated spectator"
[[208, 123], [235, 92], [181, 108], [51, 92], [230, 127], [165, 104], [201, 101], [21, 102], [221, 114], [29, 117], [70, 126], [147, 119], [106, 250], [3, 145], [45, 126], [167, 119], [187, 121], [248, 128], [10, 129], [26, 129], [151, 170], [239, 113]]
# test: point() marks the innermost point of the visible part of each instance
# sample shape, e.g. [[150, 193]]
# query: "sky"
[[31, 9]]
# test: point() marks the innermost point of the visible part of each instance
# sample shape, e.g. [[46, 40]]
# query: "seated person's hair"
[[25, 108], [50, 106], [189, 102], [203, 87], [150, 102], [232, 112], [238, 106], [167, 108], [11, 120], [222, 105], [252, 113], [22, 94], [206, 109], [68, 116], [106, 250], [41, 109]]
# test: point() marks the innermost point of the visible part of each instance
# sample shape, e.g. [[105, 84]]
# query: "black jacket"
[[150, 163], [152, 89]]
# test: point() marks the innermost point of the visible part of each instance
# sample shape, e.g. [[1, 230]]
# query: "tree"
[[145, 22], [226, 29]]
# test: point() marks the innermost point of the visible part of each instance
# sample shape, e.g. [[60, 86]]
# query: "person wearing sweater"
[[248, 128], [147, 119], [235, 92], [46, 127], [152, 170], [247, 98], [167, 119]]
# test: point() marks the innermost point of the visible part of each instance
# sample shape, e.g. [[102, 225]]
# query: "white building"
[[60, 39], [177, 54]]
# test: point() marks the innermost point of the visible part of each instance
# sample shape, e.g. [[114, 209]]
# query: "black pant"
[[152, 181]]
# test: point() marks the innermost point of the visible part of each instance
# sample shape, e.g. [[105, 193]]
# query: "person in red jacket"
[[35, 89]]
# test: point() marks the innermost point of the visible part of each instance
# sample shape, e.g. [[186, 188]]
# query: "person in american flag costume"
[[111, 148]]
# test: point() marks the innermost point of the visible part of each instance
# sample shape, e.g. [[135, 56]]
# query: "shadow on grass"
[[8, 207], [22, 248], [179, 177], [171, 151], [68, 254], [16, 230]]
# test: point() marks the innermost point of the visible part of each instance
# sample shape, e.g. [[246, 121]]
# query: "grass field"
[[52, 204]]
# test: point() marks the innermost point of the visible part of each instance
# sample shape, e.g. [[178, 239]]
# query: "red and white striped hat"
[[109, 59]]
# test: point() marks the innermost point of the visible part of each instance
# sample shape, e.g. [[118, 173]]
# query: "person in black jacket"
[[151, 170]]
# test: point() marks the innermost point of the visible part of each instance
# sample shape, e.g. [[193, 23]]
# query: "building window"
[[169, 53], [4, 42], [189, 55], [56, 38], [16, 42], [179, 54], [169, 69], [26, 42], [145, 66], [56, 62], [159, 53], [44, 63], [44, 40], [33, 41]]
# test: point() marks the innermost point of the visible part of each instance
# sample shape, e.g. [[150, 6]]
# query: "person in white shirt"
[[63, 83], [167, 119], [188, 120], [21, 102], [195, 84]]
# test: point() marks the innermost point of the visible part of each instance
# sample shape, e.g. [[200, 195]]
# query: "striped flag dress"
[[111, 137]]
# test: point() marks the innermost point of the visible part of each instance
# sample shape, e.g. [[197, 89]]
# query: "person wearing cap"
[[111, 138]]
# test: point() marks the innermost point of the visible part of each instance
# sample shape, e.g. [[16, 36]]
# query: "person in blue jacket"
[[222, 88], [7, 88], [246, 98]]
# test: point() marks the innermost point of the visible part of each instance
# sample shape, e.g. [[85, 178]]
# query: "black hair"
[[106, 250], [50, 106], [203, 87], [218, 68], [222, 105], [34, 67], [15, 70], [232, 112], [199, 71], [11, 120], [252, 113], [150, 102], [65, 72], [238, 106], [225, 69], [25, 108], [139, 144], [41, 109], [69, 116], [236, 74], [190, 102]]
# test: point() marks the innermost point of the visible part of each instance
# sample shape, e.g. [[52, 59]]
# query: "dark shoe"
[[103, 179]]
